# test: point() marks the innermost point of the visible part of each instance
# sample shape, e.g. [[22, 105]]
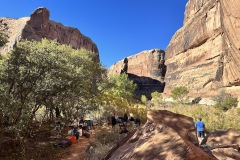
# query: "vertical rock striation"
[[204, 54]]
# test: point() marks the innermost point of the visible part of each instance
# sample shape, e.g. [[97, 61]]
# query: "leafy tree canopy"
[[46, 73], [156, 98], [118, 91], [179, 93]]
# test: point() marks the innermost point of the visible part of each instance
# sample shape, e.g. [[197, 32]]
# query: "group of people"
[[122, 122], [80, 127]]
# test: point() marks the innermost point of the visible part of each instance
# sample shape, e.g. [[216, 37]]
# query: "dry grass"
[[105, 139], [212, 117]]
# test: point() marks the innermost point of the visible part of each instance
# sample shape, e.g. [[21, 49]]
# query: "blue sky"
[[120, 28]]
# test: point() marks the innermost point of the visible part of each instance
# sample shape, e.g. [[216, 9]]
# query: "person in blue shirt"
[[200, 126], [75, 132]]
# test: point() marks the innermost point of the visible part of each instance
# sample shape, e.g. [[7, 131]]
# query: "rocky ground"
[[164, 136], [172, 136]]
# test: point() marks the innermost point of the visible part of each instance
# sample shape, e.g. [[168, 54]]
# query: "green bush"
[[179, 93], [156, 99], [3, 38], [225, 101]]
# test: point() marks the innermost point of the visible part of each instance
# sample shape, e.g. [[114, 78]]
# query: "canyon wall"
[[146, 69], [38, 26], [204, 54]]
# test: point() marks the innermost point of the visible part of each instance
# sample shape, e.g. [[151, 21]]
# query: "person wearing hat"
[[200, 126]]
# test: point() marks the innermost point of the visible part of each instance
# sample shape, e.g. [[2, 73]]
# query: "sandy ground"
[[77, 151], [168, 136]]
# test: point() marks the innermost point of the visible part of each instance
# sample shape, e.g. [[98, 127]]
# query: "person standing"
[[131, 119], [113, 121], [137, 122], [200, 126], [57, 111], [125, 118]]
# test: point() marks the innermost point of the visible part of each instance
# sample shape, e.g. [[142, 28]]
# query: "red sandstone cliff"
[[39, 26], [146, 69], [204, 54], [144, 64]]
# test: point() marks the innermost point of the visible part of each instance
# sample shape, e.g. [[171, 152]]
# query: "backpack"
[[64, 143]]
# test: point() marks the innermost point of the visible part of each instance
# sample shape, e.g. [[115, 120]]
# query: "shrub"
[[143, 99], [213, 118], [156, 99], [105, 137], [179, 93], [3, 38], [225, 101]]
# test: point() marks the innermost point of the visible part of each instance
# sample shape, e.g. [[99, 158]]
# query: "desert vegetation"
[[223, 115], [36, 77], [3, 38]]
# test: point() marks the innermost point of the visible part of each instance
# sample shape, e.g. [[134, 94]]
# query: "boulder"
[[165, 135]]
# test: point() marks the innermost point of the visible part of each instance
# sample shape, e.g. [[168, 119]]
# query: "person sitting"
[[85, 132], [81, 121], [131, 119], [120, 120], [137, 122], [71, 135], [123, 129], [75, 132], [70, 131]]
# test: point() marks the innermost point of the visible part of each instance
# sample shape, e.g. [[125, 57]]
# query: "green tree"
[[144, 99], [45, 74], [117, 91], [3, 38], [179, 93], [156, 98], [225, 101]]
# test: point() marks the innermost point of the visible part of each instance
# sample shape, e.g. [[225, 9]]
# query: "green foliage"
[[117, 95], [3, 38], [117, 91], [120, 86], [143, 99], [213, 118], [179, 93], [46, 73], [225, 101], [156, 98]]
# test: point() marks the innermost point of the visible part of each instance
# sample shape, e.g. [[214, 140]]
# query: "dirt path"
[[77, 151]]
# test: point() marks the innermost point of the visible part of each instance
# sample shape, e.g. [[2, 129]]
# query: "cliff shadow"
[[146, 85]]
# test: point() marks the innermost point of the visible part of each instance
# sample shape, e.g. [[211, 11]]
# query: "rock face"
[[146, 69], [204, 54], [166, 135], [39, 26]]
